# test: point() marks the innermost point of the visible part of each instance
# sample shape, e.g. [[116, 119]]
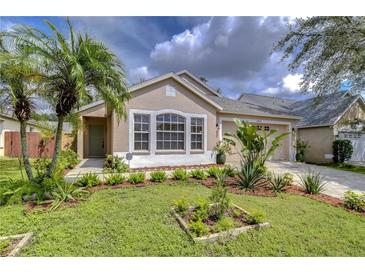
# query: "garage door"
[[358, 143], [282, 152]]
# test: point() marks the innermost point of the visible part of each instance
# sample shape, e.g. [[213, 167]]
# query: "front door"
[[96, 141]]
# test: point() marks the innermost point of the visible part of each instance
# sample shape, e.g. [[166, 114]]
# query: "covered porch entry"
[[94, 138]]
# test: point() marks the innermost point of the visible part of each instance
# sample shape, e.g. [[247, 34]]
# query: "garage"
[[282, 153], [358, 143]]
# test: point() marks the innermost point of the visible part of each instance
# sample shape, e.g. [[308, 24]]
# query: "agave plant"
[[66, 192], [251, 176], [312, 183]]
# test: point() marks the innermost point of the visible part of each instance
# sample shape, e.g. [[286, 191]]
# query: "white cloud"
[[6, 25], [271, 91], [292, 82], [139, 74]]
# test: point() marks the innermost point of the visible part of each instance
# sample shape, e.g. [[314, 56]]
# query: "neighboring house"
[[336, 116], [175, 119], [10, 123]]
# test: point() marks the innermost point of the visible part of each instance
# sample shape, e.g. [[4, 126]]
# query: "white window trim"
[[149, 137], [152, 145]]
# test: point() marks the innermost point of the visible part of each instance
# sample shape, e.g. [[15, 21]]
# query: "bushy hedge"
[[342, 151]]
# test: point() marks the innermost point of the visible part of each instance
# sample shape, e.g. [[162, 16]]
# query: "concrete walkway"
[[94, 165], [337, 181]]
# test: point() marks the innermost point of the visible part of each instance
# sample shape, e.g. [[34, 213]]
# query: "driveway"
[[337, 181]]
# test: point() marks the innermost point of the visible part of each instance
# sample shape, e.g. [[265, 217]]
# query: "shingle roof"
[[267, 101], [326, 111], [236, 106]]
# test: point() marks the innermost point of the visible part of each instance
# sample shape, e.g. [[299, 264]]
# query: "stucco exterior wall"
[[320, 141], [154, 98]]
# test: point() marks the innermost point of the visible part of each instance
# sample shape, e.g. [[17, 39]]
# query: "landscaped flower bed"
[[10, 246], [234, 221]]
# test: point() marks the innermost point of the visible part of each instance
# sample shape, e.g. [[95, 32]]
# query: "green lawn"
[[347, 167], [137, 222], [9, 168]]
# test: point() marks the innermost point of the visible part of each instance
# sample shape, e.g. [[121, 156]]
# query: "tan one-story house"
[[175, 119]]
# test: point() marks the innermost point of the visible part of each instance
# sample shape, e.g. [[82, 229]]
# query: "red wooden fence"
[[37, 147]]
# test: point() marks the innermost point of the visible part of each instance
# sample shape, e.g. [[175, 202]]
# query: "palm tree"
[[18, 78], [76, 70]]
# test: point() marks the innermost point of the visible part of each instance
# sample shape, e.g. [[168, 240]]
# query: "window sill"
[[141, 152], [170, 151], [197, 151]]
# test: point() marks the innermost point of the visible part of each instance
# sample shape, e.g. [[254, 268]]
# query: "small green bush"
[[115, 164], [158, 176], [224, 224], [136, 177], [277, 183], [89, 180], [230, 171], [289, 178], [115, 179], [219, 196], [68, 159], [355, 201], [198, 174], [250, 175], [41, 166], [198, 228], [342, 150], [181, 207], [180, 174], [311, 183], [201, 211], [212, 171], [255, 217]]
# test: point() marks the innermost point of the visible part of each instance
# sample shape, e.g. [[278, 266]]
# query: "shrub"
[[198, 228], [277, 182], [301, 147], [198, 174], [212, 171], [201, 210], [180, 174], [219, 196], [289, 178], [68, 159], [158, 176], [136, 177], [250, 176], [342, 151], [41, 166], [115, 164], [355, 201], [230, 171], [66, 192], [89, 180], [224, 224], [311, 183], [115, 179], [181, 207], [255, 217]]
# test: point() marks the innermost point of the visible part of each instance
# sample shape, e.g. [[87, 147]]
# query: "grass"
[[137, 222], [347, 167], [9, 168]]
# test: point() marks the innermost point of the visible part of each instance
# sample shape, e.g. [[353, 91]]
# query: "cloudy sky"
[[233, 53]]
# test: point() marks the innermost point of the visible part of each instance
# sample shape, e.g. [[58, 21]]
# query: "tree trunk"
[[57, 148], [24, 144]]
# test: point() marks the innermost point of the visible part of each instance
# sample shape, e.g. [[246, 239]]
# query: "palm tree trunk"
[[57, 148], [24, 145]]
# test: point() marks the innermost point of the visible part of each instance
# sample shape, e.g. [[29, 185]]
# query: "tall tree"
[[329, 50], [76, 69], [18, 78]]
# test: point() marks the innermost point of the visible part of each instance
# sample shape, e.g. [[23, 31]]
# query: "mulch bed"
[[46, 205]]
